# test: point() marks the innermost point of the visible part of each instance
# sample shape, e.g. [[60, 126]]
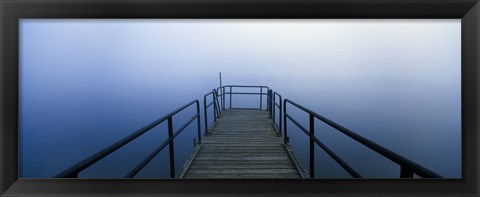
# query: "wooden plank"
[[242, 131], [237, 150], [272, 138], [250, 142], [222, 147], [242, 144], [247, 143], [232, 144], [252, 129], [240, 134], [227, 141], [245, 176], [244, 154], [240, 151], [242, 138], [239, 143], [239, 162], [241, 171], [200, 157], [243, 166]]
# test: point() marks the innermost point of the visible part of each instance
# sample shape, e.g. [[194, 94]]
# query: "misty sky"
[[86, 83]]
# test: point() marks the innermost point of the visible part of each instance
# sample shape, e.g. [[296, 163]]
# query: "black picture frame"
[[13, 10]]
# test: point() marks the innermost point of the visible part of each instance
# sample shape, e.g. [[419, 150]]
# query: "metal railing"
[[217, 111], [72, 172], [269, 103], [230, 92], [275, 105], [407, 167]]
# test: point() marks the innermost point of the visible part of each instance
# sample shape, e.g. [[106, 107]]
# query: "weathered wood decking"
[[243, 144]]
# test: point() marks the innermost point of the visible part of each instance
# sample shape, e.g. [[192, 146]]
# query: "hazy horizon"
[[85, 83]]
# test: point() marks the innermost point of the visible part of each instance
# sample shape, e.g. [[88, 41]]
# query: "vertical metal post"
[[199, 132], [205, 114], [214, 107], [312, 150], [270, 92], [280, 117], [269, 103], [261, 92], [285, 121], [273, 107], [220, 74], [217, 104], [170, 147], [223, 98], [272, 103], [230, 97]]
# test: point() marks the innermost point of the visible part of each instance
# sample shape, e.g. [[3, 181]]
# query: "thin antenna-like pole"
[[220, 74], [222, 97]]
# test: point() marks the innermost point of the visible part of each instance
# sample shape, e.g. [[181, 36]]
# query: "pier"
[[243, 144], [247, 143]]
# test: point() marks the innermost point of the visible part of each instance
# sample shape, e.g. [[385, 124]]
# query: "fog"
[[86, 83]]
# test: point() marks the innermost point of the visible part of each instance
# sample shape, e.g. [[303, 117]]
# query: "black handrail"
[[407, 167], [274, 114], [216, 108], [230, 93], [72, 172]]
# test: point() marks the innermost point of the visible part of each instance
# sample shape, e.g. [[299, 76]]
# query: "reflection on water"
[[395, 82]]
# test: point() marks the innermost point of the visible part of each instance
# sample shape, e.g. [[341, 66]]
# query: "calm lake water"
[[85, 84]]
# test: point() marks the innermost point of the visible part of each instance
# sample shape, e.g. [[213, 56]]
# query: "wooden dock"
[[243, 144]]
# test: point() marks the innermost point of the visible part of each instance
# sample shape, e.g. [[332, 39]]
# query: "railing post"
[[268, 97], [223, 98], [273, 107], [199, 132], [312, 148], [170, 147], [214, 107], [217, 103], [261, 91], [285, 121], [406, 172], [280, 116], [230, 97], [205, 114], [269, 103]]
